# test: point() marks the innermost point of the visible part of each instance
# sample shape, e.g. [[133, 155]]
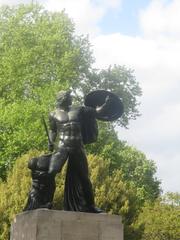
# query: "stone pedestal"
[[45, 224]]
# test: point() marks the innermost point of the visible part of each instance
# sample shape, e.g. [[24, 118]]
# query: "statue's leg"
[[48, 191], [52, 188], [58, 160]]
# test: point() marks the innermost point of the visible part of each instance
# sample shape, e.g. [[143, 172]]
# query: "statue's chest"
[[65, 117]]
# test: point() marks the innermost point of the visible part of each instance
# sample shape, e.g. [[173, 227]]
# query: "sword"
[[46, 129]]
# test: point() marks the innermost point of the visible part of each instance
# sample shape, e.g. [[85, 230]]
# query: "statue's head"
[[64, 99]]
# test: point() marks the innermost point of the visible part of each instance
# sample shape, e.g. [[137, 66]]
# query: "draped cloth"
[[89, 127], [78, 194]]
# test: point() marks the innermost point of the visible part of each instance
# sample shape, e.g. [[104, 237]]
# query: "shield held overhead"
[[114, 108]]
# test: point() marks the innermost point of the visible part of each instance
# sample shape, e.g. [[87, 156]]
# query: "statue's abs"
[[69, 128]]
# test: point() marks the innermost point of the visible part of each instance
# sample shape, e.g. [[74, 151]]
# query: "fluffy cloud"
[[155, 62], [85, 13], [13, 2], [161, 17]]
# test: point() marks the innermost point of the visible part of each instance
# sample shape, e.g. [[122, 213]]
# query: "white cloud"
[[157, 134], [153, 61], [161, 17], [13, 2], [155, 57], [85, 13]]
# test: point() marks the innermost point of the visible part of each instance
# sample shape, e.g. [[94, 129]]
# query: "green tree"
[[140, 173], [160, 220], [38, 48], [39, 55]]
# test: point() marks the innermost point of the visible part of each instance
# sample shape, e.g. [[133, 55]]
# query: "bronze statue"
[[70, 128]]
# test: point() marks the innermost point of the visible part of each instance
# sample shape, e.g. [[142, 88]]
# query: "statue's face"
[[65, 100], [68, 99]]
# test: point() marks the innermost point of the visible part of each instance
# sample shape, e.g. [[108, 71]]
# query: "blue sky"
[[143, 35], [124, 19]]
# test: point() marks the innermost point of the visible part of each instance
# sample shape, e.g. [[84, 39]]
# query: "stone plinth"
[[45, 224]]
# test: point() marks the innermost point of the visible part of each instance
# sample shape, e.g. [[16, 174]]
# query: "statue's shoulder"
[[58, 114]]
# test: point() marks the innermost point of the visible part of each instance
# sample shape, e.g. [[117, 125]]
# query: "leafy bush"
[[160, 220]]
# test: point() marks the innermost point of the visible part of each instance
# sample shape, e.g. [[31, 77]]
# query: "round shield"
[[113, 106]]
